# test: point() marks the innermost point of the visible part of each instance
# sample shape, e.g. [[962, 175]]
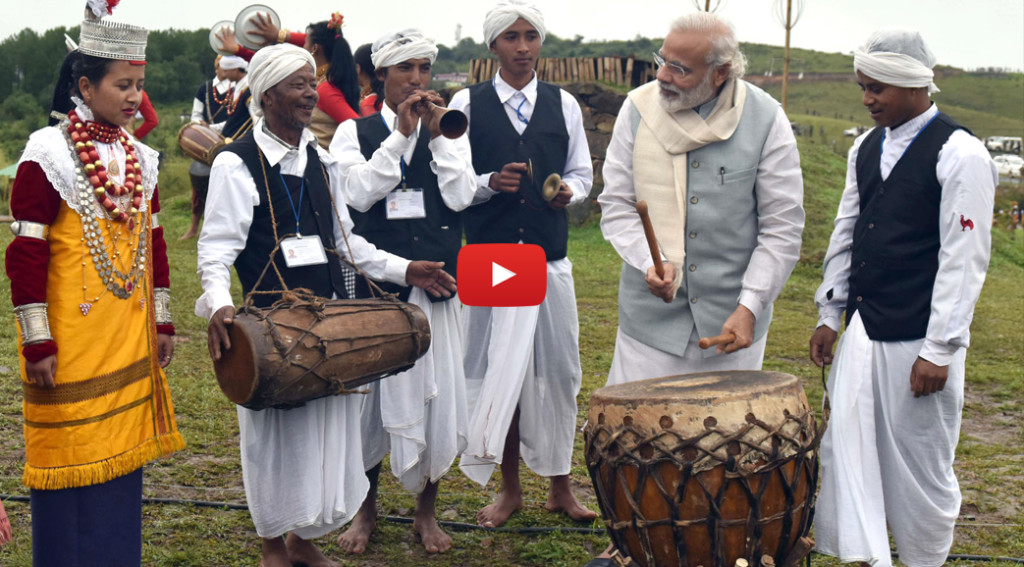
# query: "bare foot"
[[431, 535], [499, 511], [274, 553], [562, 499], [357, 535], [303, 552]]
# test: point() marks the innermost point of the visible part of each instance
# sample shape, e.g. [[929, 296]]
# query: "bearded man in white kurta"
[[302, 467], [906, 261]]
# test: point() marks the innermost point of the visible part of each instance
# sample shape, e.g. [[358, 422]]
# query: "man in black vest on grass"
[[906, 262], [522, 363], [302, 468], [405, 184]]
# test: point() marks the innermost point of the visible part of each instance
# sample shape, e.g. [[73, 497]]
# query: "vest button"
[[521, 231], [694, 200], [862, 264], [871, 225], [859, 298], [522, 142], [415, 239], [693, 267], [522, 201], [695, 164], [881, 191], [693, 300], [693, 235]]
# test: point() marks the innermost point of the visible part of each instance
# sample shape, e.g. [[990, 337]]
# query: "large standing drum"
[[200, 142], [704, 469], [291, 353]]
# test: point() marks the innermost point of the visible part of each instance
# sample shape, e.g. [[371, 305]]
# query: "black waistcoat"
[[238, 122], [524, 215], [213, 111], [896, 237], [437, 237], [316, 216]]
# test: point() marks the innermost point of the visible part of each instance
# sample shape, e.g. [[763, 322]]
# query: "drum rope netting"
[[295, 299], [749, 454]]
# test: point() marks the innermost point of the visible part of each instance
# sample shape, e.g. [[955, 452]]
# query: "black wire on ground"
[[462, 526]]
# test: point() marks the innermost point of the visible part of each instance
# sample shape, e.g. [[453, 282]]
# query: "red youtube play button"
[[502, 275]]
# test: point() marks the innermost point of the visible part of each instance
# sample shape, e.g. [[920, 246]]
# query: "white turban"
[[502, 16], [897, 57], [233, 62], [270, 66], [395, 47]]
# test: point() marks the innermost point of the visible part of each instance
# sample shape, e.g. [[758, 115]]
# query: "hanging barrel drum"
[[291, 353], [704, 469]]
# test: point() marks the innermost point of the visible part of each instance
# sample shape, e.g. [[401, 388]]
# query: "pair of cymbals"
[[243, 28], [551, 185]]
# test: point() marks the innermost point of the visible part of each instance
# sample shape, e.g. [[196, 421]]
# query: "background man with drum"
[[716, 161], [405, 183], [238, 120], [524, 360], [302, 467], [907, 261], [208, 107]]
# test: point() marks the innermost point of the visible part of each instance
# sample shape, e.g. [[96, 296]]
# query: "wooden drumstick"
[[652, 241], [708, 342]]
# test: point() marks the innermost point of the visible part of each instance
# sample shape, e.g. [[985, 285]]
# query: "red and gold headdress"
[[111, 40]]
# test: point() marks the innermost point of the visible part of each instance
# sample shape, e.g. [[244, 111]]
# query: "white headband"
[[228, 62], [270, 66], [502, 16], [895, 69], [396, 47]]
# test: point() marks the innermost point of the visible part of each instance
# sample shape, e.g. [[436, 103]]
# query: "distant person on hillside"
[[208, 107], [906, 262]]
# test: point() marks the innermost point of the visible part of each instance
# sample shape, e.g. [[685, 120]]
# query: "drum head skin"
[[243, 26], [214, 41], [236, 369]]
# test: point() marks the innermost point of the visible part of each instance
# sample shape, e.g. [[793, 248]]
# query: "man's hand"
[[430, 115], [217, 332], [740, 323], [562, 198], [41, 373], [508, 179], [821, 345], [927, 378], [227, 40], [265, 28], [431, 278], [662, 287], [413, 108], [165, 349]]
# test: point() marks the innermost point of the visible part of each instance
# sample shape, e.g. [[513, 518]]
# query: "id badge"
[[405, 204], [303, 251]]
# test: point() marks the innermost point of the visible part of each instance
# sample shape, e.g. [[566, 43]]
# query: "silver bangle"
[[30, 229], [34, 323], [162, 300]]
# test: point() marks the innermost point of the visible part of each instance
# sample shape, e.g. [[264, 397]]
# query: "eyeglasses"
[[674, 68]]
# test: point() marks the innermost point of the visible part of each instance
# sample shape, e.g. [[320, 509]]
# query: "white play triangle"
[[500, 274]]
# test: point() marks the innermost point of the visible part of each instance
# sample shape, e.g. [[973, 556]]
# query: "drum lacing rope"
[[660, 447]]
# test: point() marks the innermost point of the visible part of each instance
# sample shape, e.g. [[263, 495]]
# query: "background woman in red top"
[[336, 78], [372, 86]]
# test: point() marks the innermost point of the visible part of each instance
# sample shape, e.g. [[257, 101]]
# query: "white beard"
[[687, 99]]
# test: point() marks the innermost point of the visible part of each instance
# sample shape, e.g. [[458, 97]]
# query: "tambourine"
[[244, 28], [215, 43]]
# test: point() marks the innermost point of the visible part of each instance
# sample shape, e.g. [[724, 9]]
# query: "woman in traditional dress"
[[90, 286], [372, 86]]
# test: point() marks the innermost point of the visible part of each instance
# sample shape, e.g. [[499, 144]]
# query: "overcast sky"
[[962, 33]]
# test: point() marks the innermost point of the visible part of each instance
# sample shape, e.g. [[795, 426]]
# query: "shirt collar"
[[505, 91], [274, 149], [911, 127]]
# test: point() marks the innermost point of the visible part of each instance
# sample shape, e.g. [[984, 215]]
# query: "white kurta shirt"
[[578, 173], [968, 178], [780, 214], [199, 106], [229, 213], [366, 182]]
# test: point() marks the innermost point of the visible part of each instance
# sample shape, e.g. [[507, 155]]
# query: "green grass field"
[[990, 464]]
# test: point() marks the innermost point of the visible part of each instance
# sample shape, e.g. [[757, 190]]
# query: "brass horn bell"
[[453, 123]]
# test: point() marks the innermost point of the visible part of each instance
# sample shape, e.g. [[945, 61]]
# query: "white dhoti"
[[887, 457], [421, 415], [634, 360], [302, 468], [525, 357]]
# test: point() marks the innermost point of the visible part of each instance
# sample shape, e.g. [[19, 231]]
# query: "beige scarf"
[[660, 157]]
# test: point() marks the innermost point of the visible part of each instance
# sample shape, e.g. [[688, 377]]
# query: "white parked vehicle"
[[1009, 165], [1003, 144]]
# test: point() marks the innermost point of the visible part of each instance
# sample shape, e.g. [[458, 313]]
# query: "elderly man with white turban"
[[522, 363], [302, 467], [906, 262], [405, 184]]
